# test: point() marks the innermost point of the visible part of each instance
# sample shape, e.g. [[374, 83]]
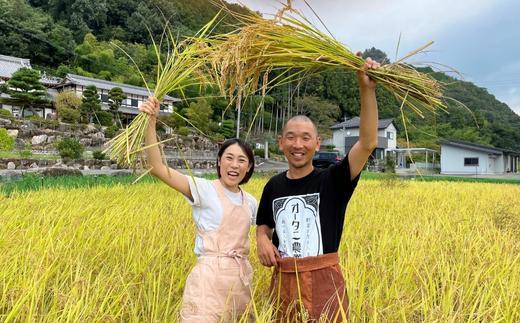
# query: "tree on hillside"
[[31, 33], [90, 104], [376, 54], [323, 113], [115, 99], [25, 89]]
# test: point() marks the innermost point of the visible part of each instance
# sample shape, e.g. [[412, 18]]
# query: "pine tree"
[[90, 103], [115, 98], [26, 89]]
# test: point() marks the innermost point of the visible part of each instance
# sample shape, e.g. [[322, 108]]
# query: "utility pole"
[[238, 116]]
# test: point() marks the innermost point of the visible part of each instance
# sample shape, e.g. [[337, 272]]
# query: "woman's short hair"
[[245, 148]]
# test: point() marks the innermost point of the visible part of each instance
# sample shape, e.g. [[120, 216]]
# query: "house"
[[346, 134], [8, 66], [461, 157], [135, 95], [76, 83]]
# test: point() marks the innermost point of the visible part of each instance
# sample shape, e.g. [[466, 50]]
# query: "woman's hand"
[[151, 107]]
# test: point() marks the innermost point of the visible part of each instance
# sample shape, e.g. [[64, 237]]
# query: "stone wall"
[[41, 136]]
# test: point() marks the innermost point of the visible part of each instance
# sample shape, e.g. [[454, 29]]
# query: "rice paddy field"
[[411, 252]]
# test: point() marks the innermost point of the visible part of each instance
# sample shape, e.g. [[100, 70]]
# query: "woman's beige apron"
[[218, 287]]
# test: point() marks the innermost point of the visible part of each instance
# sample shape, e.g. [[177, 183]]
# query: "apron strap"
[[238, 257]]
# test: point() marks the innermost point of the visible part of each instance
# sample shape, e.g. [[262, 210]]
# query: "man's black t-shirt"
[[307, 213]]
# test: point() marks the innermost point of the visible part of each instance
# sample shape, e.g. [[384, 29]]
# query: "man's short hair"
[[300, 118]]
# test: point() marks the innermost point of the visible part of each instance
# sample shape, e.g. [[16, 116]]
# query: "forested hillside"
[[78, 36]]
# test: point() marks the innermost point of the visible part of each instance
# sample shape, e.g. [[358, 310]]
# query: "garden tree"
[[323, 113], [25, 89], [68, 107], [115, 99], [174, 120], [90, 104], [199, 113], [104, 118], [67, 99], [228, 128], [70, 148]]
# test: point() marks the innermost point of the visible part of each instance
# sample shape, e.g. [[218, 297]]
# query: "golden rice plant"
[[416, 252], [178, 68], [290, 44]]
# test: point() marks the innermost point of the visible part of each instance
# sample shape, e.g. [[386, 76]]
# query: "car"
[[323, 159]]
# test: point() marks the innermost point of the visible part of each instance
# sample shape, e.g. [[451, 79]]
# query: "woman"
[[218, 287]]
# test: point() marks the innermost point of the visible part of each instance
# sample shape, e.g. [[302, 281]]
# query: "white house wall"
[[452, 161], [392, 143], [338, 138]]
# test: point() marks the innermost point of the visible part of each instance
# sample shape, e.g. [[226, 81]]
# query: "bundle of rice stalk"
[[176, 70], [296, 48]]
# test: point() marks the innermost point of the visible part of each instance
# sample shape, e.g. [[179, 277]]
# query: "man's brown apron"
[[314, 285], [218, 287]]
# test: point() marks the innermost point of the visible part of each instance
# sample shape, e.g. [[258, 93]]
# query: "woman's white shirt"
[[207, 208]]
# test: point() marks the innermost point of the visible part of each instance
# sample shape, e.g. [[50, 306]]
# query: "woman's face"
[[234, 166]]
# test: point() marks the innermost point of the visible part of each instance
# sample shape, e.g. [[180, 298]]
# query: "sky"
[[478, 38]]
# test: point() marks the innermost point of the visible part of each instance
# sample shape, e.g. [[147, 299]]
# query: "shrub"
[[259, 152], [70, 148], [6, 141], [105, 118], [5, 113], [390, 163], [183, 131], [111, 131], [99, 155], [69, 115]]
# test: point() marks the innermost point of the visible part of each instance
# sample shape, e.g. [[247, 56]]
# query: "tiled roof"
[[354, 123], [10, 64], [478, 147], [107, 85]]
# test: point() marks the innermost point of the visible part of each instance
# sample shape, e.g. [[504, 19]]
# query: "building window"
[[389, 135], [104, 98], [134, 102], [471, 161]]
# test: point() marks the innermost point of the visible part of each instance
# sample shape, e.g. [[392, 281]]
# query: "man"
[[306, 208]]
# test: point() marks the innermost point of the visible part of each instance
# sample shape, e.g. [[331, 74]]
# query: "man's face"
[[299, 142]]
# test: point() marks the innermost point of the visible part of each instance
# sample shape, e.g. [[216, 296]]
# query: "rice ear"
[[291, 42]]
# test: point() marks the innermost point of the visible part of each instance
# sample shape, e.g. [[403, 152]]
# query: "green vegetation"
[[25, 89], [6, 141], [24, 154], [67, 106], [35, 182], [70, 148], [81, 35]]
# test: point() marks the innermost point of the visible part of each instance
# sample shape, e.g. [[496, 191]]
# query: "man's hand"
[[365, 82], [267, 252]]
